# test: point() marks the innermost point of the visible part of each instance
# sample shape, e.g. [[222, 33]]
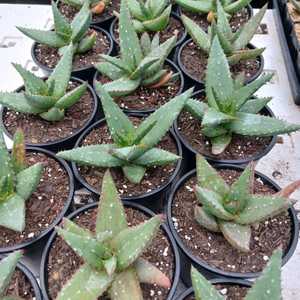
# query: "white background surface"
[[282, 164]]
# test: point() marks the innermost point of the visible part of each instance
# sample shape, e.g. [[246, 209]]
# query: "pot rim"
[[146, 211], [203, 264]]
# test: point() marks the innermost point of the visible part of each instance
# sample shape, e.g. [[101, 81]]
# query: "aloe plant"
[[97, 7], [209, 7], [7, 269], [150, 15], [233, 44], [231, 210], [17, 182], [134, 148], [112, 255], [231, 107], [48, 99], [66, 33], [140, 63], [266, 287]]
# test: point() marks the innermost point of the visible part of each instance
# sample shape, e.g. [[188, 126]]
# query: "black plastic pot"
[[43, 269], [29, 276], [67, 142], [187, 258], [29, 244], [193, 81], [225, 281], [174, 68], [173, 14], [153, 200], [190, 152], [85, 73]]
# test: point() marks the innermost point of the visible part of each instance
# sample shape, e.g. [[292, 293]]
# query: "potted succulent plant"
[[267, 286], [88, 41], [115, 247], [102, 10], [229, 220], [51, 112], [231, 126], [242, 56], [36, 190], [144, 158], [204, 12], [17, 282], [152, 16], [141, 72]]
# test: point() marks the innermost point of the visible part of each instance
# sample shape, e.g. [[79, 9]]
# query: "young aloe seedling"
[[266, 287], [134, 148], [231, 107], [97, 7], [233, 44], [7, 269], [209, 7], [17, 182], [141, 62], [65, 33], [49, 99], [112, 255], [231, 210], [150, 15]]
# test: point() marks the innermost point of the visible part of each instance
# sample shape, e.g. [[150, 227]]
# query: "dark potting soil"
[[174, 27], [145, 98], [20, 286], [63, 261], [49, 56], [237, 20], [38, 130], [232, 292], [241, 147], [153, 179], [69, 12], [44, 205], [195, 62], [213, 248]]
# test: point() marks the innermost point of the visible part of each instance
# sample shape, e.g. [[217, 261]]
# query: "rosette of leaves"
[[17, 182], [134, 148], [267, 286], [150, 15], [49, 99], [233, 44], [97, 7], [112, 255], [66, 33], [141, 62], [231, 210], [209, 7], [231, 107], [7, 269]]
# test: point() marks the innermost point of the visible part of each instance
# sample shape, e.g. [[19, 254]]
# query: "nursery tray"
[[282, 164]]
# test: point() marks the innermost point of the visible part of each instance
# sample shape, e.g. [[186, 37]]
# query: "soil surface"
[[44, 205], [49, 56], [174, 26], [232, 292], [38, 130], [63, 261], [195, 63], [153, 179], [213, 248], [145, 98], [69, 12], [241, 147], [21, 287], [236, 21]]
